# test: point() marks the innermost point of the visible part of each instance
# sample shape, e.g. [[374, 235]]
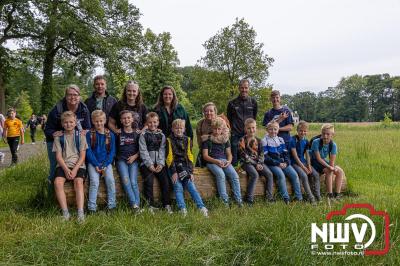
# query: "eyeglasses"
[[72, 95]]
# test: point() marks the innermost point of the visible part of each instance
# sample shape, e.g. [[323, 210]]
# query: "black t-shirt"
[[127, 145], [139, 114], [217, 150]]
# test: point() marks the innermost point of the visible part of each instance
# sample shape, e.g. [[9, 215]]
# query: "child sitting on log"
[[180, 165], [100, 155], [277, 159], [216, 152], [70, 149], [300, 159], [324, 147], [152, 153], [251, 158], [128, 157]]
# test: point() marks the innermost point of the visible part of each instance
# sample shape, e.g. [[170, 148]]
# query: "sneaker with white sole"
[[204, 211], [183, 212], [168, 209], [153, 209]]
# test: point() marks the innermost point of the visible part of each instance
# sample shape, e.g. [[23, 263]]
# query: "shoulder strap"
[[92, 138], [77, 140], [62, 141], [108, 139]]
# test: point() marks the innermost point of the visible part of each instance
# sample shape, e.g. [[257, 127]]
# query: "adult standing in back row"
[[280, 114], [100, 99], [168, 109], [131, 100], [239, 109]]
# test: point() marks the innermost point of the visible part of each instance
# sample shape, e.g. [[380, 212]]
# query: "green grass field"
[[32, 233], [39, 138]]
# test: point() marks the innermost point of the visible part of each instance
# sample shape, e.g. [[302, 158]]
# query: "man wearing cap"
[[239, 109], [280, 114], [100, 99], [53, 128]]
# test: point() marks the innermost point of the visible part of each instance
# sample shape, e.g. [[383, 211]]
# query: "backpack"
[[77, 134], [93, 139], [321, 144]]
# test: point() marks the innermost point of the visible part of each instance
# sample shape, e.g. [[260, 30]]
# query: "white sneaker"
[[33, 143], [168, 209], [152, 209], [81, 218], [18, 147], [183, 212], [204, 211]]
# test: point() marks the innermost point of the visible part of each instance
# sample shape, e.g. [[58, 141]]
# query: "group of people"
[[12, 131], [91, 136]]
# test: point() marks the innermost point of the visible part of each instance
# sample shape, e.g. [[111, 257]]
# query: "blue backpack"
[[77, 139]]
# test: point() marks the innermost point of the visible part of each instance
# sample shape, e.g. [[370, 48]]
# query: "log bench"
[[204, 180]]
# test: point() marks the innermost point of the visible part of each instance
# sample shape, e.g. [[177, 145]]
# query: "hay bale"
[[204, 180]]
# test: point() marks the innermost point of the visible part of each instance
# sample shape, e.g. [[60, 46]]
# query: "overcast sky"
[[314, 42]]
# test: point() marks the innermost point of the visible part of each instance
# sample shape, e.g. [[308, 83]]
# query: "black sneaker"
[[337, 196], [286, 201], [91, 212], [330, 196], [270, 200], [111, 211]]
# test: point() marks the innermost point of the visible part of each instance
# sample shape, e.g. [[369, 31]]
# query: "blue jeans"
[[53, 162], [234, 148], [253, 175], [304, 180], [280, 173], [129, 174], [220, 176], [94, 181], [179, 187]]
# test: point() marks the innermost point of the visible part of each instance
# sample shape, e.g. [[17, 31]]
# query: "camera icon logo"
[[335, 236]]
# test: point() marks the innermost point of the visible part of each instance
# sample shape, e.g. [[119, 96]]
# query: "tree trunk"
[[47, 94]]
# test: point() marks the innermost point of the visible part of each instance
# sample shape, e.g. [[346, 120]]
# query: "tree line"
[[61, 42], [355, 99]]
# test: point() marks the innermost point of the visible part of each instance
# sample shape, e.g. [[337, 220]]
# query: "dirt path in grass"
[[25, 152]]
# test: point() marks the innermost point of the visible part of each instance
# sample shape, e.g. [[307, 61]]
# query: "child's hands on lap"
[[159, 168], [259, 167], [282, 165], [174, 178], [152, 168]]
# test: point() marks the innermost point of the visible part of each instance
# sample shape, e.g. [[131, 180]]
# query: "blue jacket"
[[53, 123], [275, 151], [98, 155]]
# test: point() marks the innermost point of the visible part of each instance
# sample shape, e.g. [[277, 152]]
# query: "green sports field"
[[32, 232]]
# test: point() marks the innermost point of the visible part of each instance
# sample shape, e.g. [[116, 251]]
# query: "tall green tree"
[[79, 30], [157, 67], [235, 52]]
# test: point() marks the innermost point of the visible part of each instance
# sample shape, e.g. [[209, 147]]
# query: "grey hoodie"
[[152, 148]]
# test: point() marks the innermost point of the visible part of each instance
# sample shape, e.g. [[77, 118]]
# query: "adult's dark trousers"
[[148, 181], [13, 144], [33, 134], [234, 147]]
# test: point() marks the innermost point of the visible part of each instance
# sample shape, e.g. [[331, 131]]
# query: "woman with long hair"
[[131, 100], [168, 109]]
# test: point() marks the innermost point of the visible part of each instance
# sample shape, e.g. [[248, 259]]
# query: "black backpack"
[[321, 144]]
